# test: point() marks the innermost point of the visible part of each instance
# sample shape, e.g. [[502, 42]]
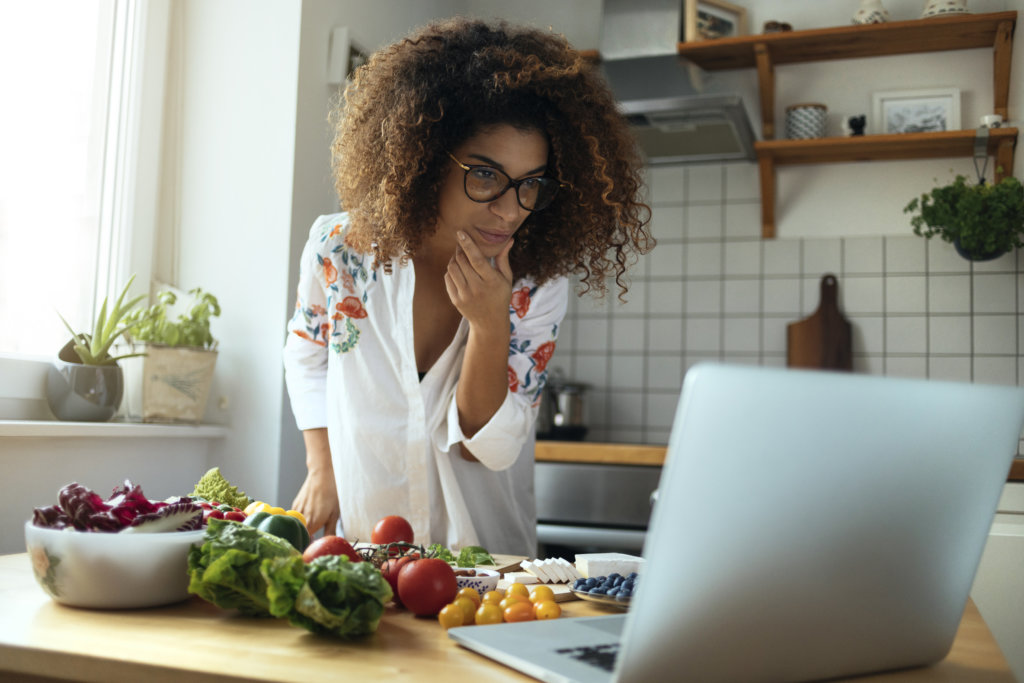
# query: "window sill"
[[105, 430]]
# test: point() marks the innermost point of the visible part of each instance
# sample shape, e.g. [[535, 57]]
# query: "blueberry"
[[591, 582], [614, 575], [600, 590], [631, 575]]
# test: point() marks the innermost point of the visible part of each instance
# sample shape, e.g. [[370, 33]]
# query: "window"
[[72, 89]]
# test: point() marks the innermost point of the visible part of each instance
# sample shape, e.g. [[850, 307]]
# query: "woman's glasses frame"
[[469, 168]]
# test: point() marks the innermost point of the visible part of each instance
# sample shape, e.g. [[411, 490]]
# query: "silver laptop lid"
[[815, 524]]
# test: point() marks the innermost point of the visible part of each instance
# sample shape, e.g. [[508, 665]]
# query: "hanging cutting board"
[[823, 340]]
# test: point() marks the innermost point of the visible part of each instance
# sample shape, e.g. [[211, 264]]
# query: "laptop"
[[809, 524]]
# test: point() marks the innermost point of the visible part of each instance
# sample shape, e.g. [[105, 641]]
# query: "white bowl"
[[111, 570], [485, 580]]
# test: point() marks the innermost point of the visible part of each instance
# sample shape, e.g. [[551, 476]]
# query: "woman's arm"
[[481, 292], [317, 500]]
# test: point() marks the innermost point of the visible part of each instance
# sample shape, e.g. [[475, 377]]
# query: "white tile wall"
[[714, 290]]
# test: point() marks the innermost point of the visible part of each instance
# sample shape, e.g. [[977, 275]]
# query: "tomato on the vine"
[[392, 529], [390, 570], [426, 585]]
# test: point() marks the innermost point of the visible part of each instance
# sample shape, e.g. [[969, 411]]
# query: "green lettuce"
[[214, 487], [330, 595], [472, 555], [225, 569]]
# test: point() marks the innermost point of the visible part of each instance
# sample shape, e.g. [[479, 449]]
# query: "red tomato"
[[426, 585], [330, 545], [390, 570], [235, 516], [392, 529]]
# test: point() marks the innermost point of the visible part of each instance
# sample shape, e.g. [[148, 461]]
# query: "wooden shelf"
[[946, 144], [937, 34], [764, 52]]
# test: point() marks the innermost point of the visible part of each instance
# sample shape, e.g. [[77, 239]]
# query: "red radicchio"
[[127, 507]]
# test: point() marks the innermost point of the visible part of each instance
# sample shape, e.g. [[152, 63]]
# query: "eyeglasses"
[[485, 184]]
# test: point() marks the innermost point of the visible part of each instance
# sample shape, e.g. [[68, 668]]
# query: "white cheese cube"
[[534, 567], [603, 564], [524, 578], [568, 568]]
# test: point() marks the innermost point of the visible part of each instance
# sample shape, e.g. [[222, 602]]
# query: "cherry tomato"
[[492, 597], [511, 599], [392, 529], [468, 608], [235, 516], [547, 609], [540, 593], [426, 585], [451, 615], [390, 570], [519, 611], [488, 613], [518, 589], [470, 593]]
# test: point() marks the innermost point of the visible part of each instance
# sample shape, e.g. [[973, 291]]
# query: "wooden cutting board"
[[822, 340]]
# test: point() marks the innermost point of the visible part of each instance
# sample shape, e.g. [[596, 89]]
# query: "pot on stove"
[[561, 415]]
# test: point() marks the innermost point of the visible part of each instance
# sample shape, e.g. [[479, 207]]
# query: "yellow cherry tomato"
[[492, 597], [468, 608], [470, 593], [254, 507], [519, 611], [540, 593], [510, 600], [451, 615], [297, 515], [488, 613], [518, 589], [547, 609]]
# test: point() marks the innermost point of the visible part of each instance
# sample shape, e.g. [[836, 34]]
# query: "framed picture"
[[710, 19], [916, 111]]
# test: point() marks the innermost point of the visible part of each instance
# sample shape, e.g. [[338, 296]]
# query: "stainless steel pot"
[[562, 412]]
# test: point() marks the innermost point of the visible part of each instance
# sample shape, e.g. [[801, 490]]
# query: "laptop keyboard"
[[600, 656]]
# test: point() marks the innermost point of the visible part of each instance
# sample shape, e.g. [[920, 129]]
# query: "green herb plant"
[[155, 326], [94, 348], [983, 220]]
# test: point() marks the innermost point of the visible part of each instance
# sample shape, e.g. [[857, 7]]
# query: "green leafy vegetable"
[[225, 570], [439, 551], [330, 595], [472, 555], [214, 487]]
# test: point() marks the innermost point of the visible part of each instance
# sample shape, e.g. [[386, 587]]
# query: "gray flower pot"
[[82, 393]]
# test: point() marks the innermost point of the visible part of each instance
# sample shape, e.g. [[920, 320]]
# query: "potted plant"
[[171, 383], [85, 382], [982, 221]]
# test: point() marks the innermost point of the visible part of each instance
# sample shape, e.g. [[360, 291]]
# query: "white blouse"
[[350, 366]]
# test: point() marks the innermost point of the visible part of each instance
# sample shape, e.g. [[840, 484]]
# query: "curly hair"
[[428, 93]]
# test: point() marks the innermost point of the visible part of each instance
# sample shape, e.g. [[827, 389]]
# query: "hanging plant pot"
[[82, 393], [985, 256]]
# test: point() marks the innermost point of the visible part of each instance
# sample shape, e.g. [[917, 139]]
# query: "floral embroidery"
[[531, 383], [346, 277], [352, 307], [542, 355], [330, 272], [521, 301]]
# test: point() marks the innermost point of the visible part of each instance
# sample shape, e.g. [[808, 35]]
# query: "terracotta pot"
[[82, 393]]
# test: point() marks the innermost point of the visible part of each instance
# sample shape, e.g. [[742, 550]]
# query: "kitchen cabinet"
[[766, 51]]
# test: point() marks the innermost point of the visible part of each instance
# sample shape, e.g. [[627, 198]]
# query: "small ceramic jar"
[[938, 8], [871, 12], [806, 121]]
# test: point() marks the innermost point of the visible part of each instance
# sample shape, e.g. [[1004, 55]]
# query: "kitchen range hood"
[[677, 112]]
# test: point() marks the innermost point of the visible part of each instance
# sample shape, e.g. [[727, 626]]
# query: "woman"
[[478, 165]]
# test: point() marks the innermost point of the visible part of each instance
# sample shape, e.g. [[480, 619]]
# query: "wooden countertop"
[[636, 454], [197, 642]]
